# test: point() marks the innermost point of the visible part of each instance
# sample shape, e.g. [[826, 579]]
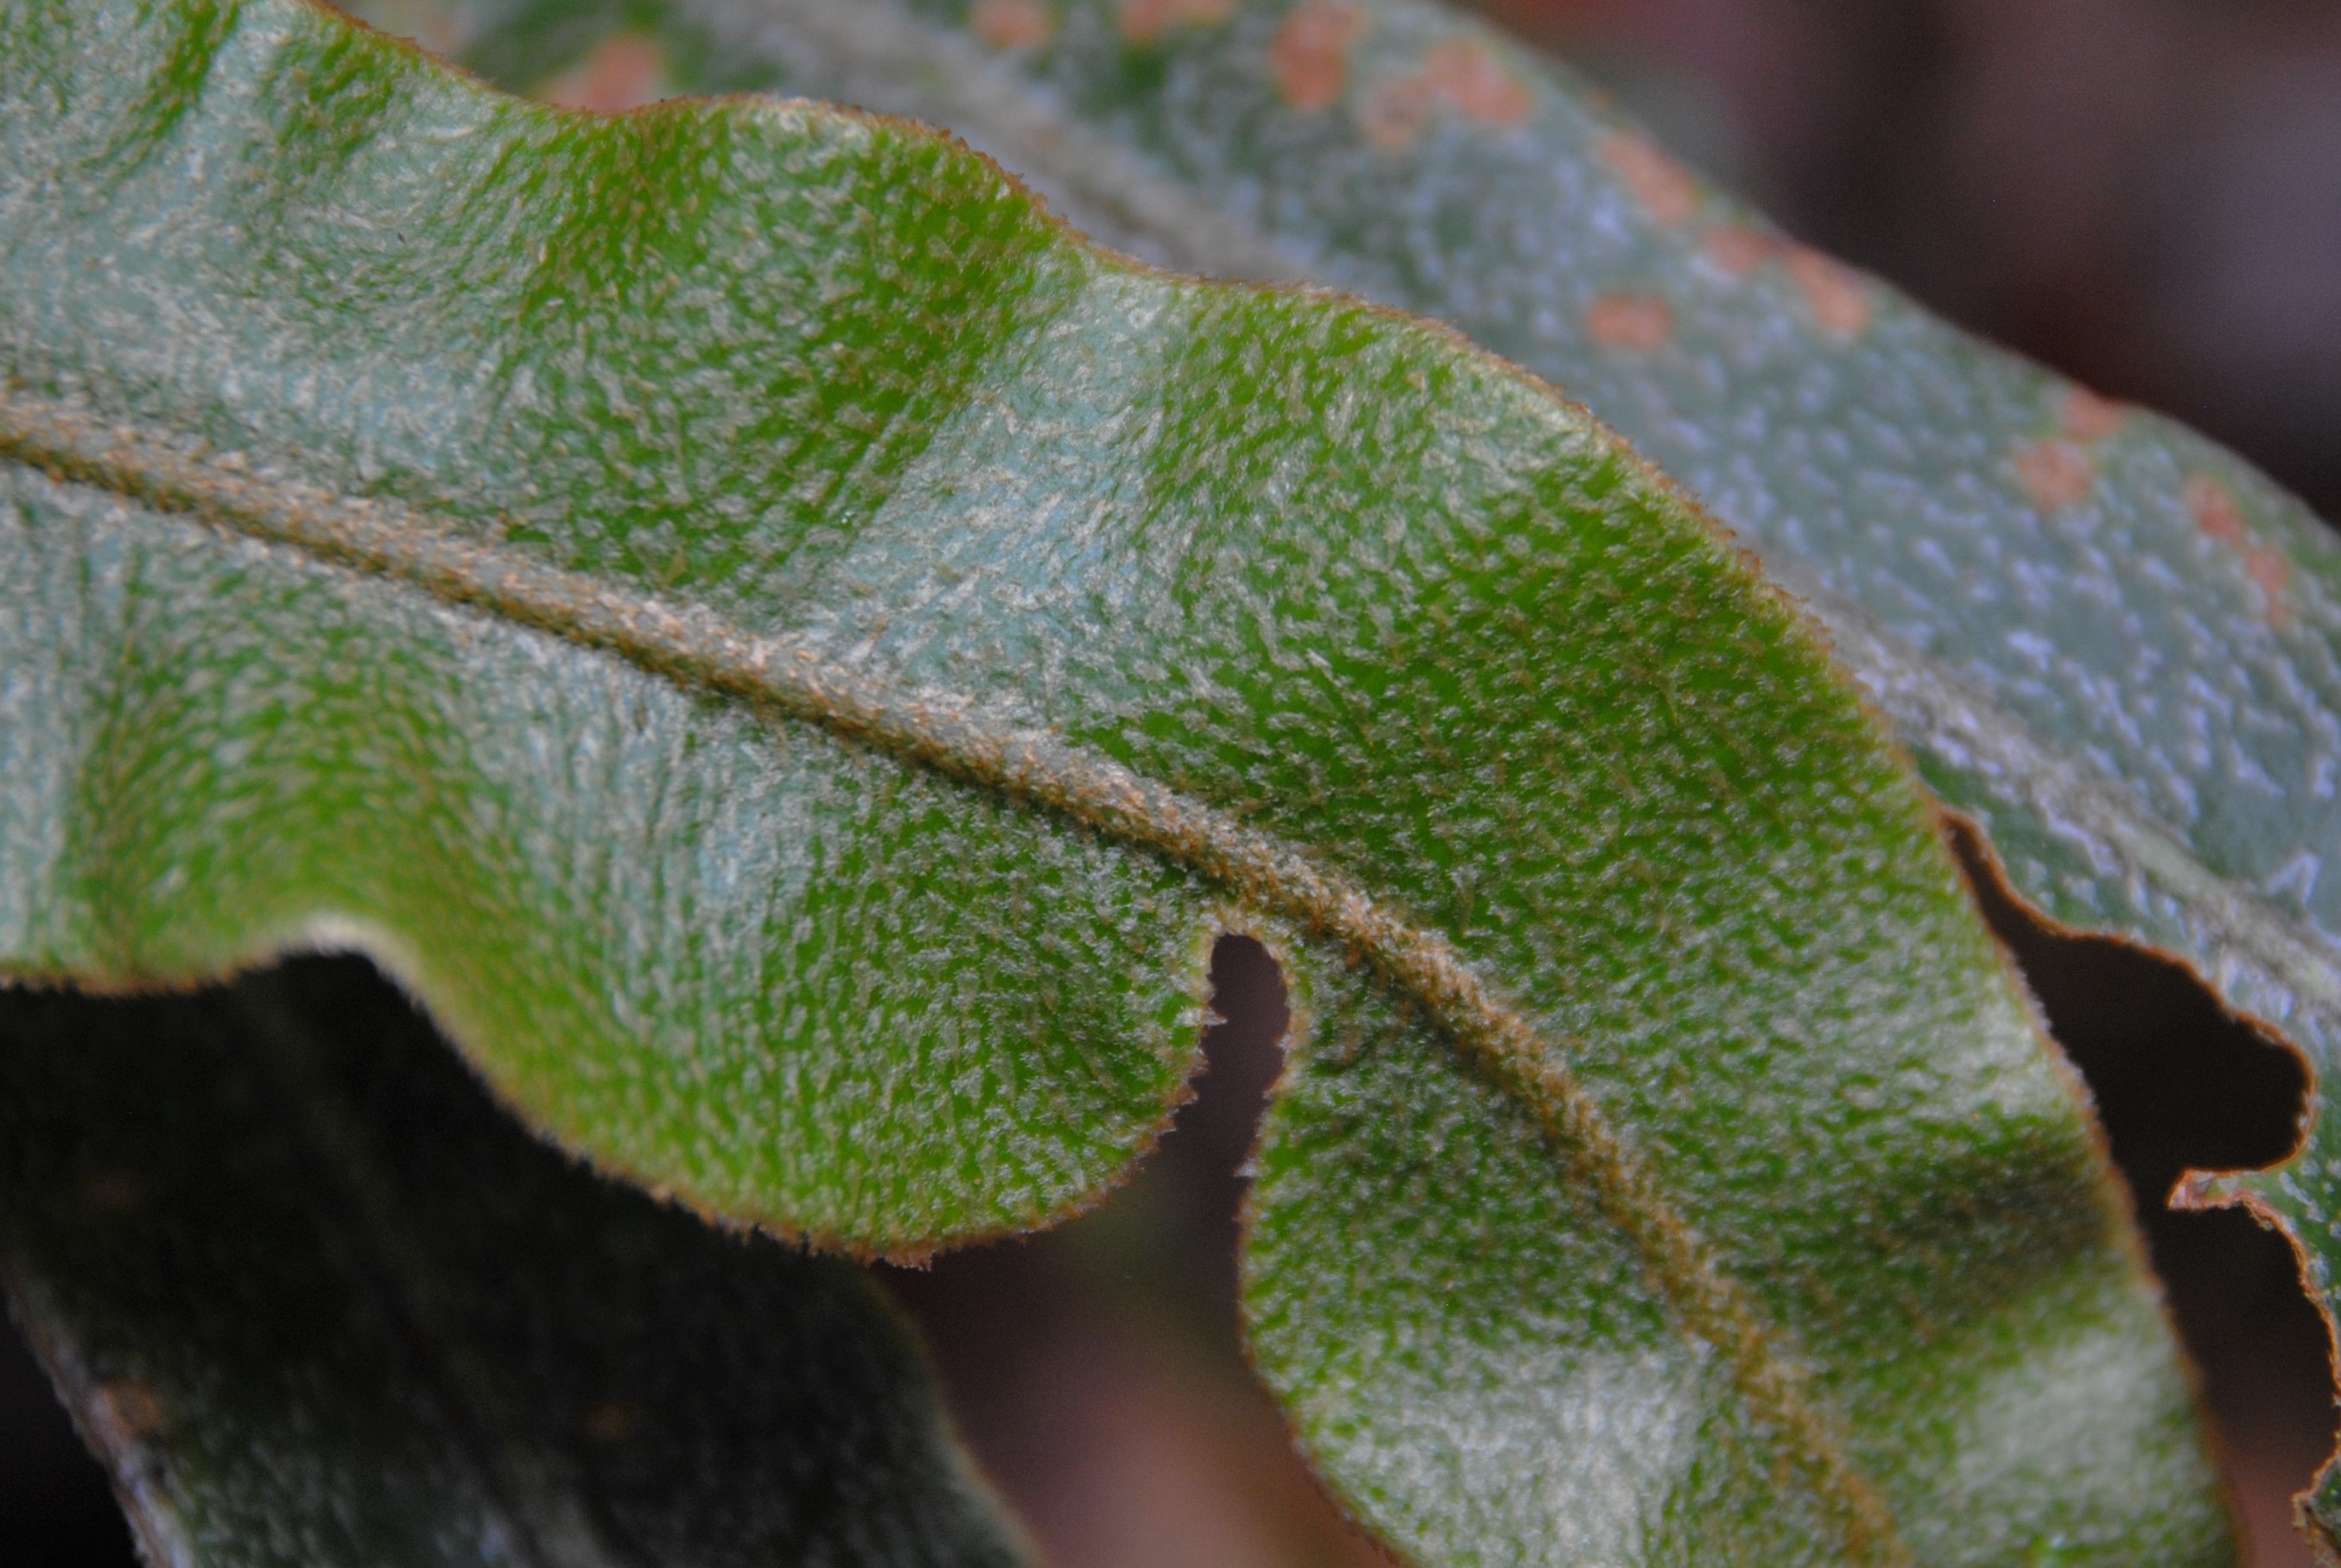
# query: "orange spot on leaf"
[[1392, 111], [2216, 512], [1013, 24], [1636, 320], [1462, 74], [1740, 250], [1311, 56], [621, 73], [1467, 75], [2089, 418], [1836, 294], [2273, 573], [1146, 21], [2056, 474], [1666, 190]]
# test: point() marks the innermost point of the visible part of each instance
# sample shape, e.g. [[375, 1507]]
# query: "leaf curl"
[[793, 658]]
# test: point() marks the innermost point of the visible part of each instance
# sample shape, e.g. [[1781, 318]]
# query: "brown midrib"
[[700, 650]]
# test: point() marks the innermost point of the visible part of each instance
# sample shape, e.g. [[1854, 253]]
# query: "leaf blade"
[[1263, 597], [1421, 1347], [2106, 642]]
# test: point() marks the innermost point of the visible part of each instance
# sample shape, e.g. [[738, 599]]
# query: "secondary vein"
[[701, 650]]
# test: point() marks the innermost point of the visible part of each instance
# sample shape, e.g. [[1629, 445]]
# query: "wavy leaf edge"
[[1273, 886], [2238, 920]]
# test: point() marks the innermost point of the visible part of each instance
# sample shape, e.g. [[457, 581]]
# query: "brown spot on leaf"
[[2056, 474], [1666, 190], [1013, 24], [621, 73], [1636, 320], [2273, 573], [2216, 512], [126, 1412], [1461, 73], [1836, 294], [114, 1192], [1311, 54], [1146, 21], [1392, 111], [2088, 417], [1740, 250], [612, 1420], [1467, 75]]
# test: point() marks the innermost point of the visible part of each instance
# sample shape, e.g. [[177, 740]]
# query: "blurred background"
[[2143, 193]]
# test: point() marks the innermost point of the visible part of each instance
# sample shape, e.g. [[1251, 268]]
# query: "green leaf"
[[318, 1302], [2106, 641], [794, 658]]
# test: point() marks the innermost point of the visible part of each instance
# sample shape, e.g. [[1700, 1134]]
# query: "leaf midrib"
[[700, 651], [930, 73]]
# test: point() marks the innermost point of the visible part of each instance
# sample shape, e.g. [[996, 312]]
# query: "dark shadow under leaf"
[[317, 1301]]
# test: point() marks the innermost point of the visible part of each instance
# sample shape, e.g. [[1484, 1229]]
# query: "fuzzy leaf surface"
[[794, 658], [2110, 643]]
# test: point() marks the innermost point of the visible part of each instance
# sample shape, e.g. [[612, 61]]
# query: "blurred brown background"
[[2145, 195]]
